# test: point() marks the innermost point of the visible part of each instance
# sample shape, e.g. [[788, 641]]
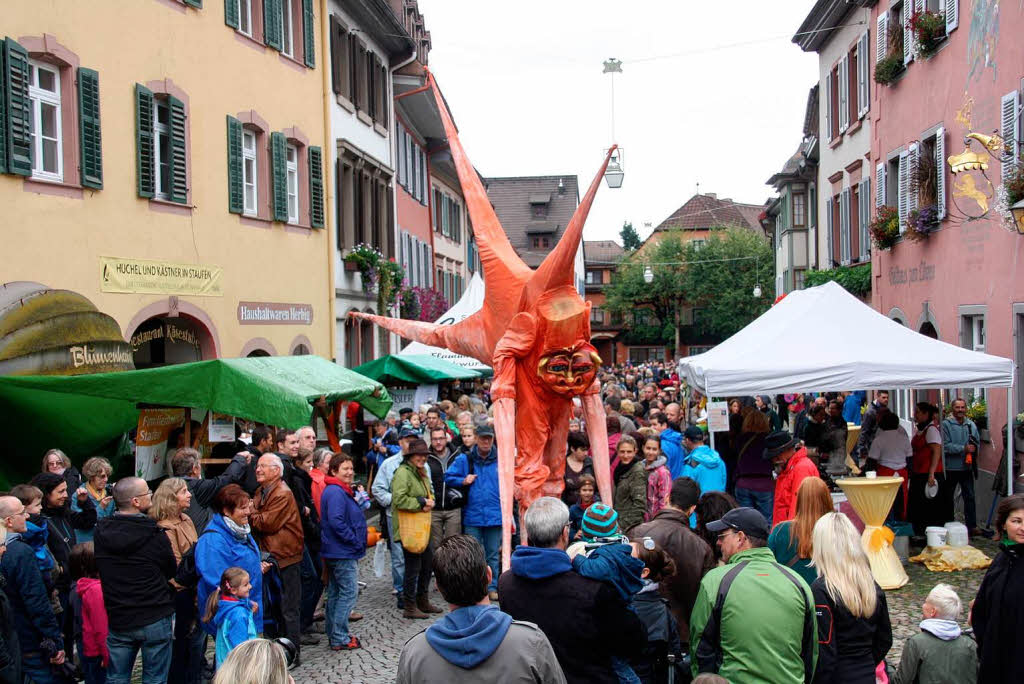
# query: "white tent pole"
[[711, 434], [1009, 440]]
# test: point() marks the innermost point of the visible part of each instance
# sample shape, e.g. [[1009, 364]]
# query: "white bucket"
[[936, 535], [956, 534]]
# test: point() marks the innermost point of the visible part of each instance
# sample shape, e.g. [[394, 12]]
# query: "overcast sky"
[[524, 83]]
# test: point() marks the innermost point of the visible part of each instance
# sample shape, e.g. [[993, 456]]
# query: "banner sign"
[[141, 276], [408, 397], [274, 313], [221, 428], [155, 426]]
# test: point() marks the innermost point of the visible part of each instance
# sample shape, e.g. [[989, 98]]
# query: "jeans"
[[964, 478], [397, 559], [291, 598], [36, 667], [417, 575], [93, 670], [155, 641], [760, 501], [490, 539], [342, 591], [622, 670], [444, 524], [312, 588]]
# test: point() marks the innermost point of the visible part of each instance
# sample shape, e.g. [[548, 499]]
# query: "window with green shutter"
[[279, 174], [231, 13], [308, 34], [179, 163], [145, 161], [236, 201], [16, 129], [272, 23], [316, 188], [90, 140], [3, 109]]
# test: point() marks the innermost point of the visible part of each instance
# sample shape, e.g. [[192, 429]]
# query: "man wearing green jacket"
[[754, 619]]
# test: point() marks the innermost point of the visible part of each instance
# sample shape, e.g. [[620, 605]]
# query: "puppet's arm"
[[515, 344], [597, 433]]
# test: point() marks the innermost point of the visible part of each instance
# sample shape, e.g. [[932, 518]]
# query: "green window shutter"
[[145, 160], [179, 163], [272, 23], [231, 13], [198, 4], [316, 188], [16, 129], [308, 33], [89, 128], [3, 108], [279, 173], [235, 198]]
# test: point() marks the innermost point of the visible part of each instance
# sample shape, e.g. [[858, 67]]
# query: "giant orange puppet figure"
[[534, 331]]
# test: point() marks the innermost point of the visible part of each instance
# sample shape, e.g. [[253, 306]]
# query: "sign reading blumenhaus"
[[140, 276], [274, 313]]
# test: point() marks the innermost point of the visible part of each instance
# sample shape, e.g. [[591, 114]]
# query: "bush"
[[929, 30], [888, 69], [885, 227], [855, 279]]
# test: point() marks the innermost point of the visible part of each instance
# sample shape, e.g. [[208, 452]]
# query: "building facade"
[[959, 281], [601, 259], [177, 182]]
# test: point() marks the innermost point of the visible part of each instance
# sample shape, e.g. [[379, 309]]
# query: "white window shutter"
[[828, 231], [903, 194], [863, 62], [880, 185], [864, 216], [430, 265], [1009, 128], [826, 106], [846, 223], [952, 15], [844, 93], [912, 190], [908, 35], [882, 36], [940, 173]]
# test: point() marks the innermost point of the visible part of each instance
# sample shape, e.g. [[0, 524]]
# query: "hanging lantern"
[[613, 175]]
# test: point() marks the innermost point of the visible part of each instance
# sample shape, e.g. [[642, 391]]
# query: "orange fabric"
[[534, 331]]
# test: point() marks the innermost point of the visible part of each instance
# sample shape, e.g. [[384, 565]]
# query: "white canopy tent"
[[825, 339]]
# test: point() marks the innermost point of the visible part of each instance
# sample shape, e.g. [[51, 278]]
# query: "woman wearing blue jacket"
[[227, 542], [343, 543], [477, 472]]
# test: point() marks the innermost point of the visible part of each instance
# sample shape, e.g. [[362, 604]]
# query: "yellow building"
[[163, 158]]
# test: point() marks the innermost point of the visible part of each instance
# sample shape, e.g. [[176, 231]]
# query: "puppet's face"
[[569, 372]]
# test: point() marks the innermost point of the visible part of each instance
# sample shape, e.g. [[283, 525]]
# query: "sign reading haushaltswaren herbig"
[[142, 276], [274, 313]]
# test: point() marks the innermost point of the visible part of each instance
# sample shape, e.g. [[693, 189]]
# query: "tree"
[[629, 293], [630, 238], [720, 276]]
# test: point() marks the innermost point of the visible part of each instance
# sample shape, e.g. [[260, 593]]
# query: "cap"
[[600, 520], [485, 430], [407, 432], [778, 442], [694, 434], [746, 520], [404, 411]]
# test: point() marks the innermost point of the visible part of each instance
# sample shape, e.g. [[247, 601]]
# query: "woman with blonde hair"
[[170, 501], [790, 540], [257, 661], [854, 632]]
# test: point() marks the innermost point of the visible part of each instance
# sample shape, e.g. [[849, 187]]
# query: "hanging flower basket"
[[929, 31], [379, 274], [885, 227], [888, 69], [922, 222]]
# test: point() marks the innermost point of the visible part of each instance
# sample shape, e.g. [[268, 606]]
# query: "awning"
[[81, 414], [414, 369]]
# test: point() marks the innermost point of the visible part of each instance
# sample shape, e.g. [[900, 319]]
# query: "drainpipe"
[[328, 174]]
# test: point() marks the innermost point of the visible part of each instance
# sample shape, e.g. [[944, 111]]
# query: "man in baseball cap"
[[754, 619]]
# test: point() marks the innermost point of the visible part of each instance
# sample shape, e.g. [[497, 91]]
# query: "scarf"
[[329, 480], [947, 630], [96, 494], [239, 532], [621, 469]]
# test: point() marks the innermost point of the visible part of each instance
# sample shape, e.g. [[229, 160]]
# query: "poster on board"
[[155, 427], [408, 397], [221, 428], [718, 416]]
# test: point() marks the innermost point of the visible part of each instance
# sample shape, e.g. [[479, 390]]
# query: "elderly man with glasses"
[[136, 564]]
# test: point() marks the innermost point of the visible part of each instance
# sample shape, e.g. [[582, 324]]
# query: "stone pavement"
[[382, 632]]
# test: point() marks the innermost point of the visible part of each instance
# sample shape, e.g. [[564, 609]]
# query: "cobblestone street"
[[382, 632]]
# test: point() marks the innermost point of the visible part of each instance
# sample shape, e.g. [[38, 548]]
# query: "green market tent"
[[414, 369], [85, 413]]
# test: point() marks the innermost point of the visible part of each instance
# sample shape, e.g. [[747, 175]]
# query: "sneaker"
[[353, 644], [309, 639]]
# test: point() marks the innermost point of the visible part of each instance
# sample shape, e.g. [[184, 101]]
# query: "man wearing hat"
[[477, 473], [381, 491], [786, 452], [754, 619]]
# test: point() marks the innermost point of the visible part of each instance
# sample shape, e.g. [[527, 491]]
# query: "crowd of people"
[[711, 564]]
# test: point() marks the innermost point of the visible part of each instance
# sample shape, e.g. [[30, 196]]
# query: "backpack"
[[709, 654], [187, 574]]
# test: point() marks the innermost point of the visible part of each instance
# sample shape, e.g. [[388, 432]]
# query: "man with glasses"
[[39, 635], [136, 564], [754, 619]]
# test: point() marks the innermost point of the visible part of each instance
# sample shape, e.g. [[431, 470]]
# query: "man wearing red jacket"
[[781, 449]]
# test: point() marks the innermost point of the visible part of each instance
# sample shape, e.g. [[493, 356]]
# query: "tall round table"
[[872, 498]]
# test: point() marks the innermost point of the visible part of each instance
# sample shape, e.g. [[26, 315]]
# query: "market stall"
[[83, 414], [414, 369]]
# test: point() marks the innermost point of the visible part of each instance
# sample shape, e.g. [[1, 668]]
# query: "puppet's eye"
[[558, 367]]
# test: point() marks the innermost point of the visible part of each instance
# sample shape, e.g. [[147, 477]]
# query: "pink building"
[[962, 283]]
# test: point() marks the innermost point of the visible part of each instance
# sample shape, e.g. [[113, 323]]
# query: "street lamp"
[[648, 275], [613, 175]]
